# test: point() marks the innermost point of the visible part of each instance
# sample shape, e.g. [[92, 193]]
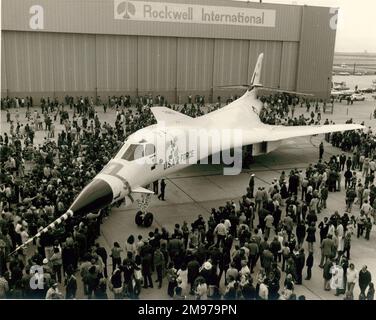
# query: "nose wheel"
[[144, 219]]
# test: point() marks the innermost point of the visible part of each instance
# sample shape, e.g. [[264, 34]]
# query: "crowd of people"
[[257, 248], [277, 110]]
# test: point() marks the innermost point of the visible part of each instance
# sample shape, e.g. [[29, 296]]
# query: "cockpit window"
[[133, 152], [149, 149]]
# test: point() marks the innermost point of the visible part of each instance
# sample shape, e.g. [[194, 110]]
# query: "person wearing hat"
[[207, 272], [46, 267]]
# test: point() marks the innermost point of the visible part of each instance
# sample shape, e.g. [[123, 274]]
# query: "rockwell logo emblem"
[[124, 9]]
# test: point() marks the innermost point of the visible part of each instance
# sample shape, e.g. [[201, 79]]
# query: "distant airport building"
[[175, 48]]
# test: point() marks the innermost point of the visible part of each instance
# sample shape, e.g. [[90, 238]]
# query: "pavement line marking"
[[213, 182], [194, 201]]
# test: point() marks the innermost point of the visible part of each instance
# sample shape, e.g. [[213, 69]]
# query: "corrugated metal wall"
[[116, 63], [195, 64], [74, 63], [56, 64], [83, 50], [156, 64], [316, 51], [4, 80], [289, 65], [230, 61], [47, 62]]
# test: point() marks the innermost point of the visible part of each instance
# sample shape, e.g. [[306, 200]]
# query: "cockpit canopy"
[[134, 151]]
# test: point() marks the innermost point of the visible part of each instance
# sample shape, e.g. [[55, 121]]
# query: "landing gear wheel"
[[139, 219], [148, 219]]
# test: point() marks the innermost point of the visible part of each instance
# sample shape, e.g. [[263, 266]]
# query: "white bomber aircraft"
[[140, 162]]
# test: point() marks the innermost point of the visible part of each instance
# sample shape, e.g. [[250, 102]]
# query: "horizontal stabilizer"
[[235, 86], [142, 190], [285, 91], [163, 114], [256, 85]]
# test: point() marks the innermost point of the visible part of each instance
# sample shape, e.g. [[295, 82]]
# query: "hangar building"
[[173, 47]]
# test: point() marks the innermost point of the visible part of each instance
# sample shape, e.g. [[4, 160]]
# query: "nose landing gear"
[[144, 219]]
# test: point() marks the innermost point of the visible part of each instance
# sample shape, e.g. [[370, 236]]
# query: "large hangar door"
[[116, 67], [230, 66], [289, 65], [157, 66], [194, 67]]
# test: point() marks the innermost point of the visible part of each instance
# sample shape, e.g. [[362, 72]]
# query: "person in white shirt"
[[337, 280], [324, 178], [269, 220], [244, 271], [227, 224], [372, 166], [53, 293], [202, 290], [352, 278], [263, 291], [221, 231], [24, 235], [4, 286], [341, 240], [331, 230], [246, 250], [366, 207]]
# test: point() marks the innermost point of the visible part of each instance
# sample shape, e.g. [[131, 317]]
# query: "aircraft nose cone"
[[96, 195]]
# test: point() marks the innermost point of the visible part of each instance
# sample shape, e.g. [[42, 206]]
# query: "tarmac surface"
[[197, 189]]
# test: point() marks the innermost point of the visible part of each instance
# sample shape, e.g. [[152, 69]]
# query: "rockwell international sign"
[[192, 13]]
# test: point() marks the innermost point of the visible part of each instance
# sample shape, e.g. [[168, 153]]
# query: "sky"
[[356, 29]]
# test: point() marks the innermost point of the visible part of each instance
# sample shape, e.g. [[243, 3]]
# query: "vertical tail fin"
[[255, 80]]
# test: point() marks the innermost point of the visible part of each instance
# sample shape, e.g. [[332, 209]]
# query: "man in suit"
[[163, 187], [327, 249], [321, 150], [252, 184]]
